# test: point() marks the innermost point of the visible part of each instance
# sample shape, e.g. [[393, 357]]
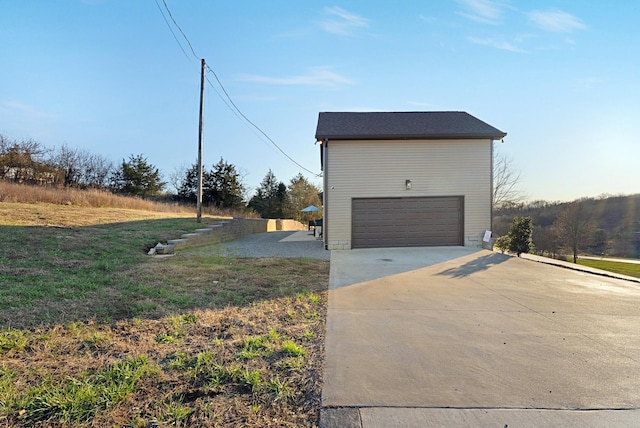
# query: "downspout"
[[491, 198], [325, 197]]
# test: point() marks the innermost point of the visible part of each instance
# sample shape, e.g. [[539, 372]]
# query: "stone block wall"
[[225, 231]]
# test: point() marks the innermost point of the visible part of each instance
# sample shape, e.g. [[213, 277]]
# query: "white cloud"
[[16, 107], [342, 22], [421, 105], [317, 76], [556, 21], [496, 43], [483, 11]]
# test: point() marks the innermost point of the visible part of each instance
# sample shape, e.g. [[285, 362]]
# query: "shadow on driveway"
[[476, 265], [350, 267], [463, 331]]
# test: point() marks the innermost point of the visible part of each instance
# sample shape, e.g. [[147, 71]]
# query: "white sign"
[[487, 236]]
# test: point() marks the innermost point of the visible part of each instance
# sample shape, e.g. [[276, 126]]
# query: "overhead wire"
[[179, 28], [244, 122], [233, 106], [256, 126], [172, 32]]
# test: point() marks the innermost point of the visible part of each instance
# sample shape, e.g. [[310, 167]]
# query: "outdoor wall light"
[[407, 184]]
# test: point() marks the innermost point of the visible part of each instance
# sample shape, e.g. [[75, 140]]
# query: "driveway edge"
[[577, 267]]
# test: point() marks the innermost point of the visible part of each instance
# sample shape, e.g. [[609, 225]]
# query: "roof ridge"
[[404, 125]]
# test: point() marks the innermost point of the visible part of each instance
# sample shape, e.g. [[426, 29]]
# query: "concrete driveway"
[[461, 337]]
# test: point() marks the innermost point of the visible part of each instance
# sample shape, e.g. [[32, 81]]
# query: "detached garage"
[[405, 179]]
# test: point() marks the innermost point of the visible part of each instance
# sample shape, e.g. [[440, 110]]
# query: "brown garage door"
[[407, 222]]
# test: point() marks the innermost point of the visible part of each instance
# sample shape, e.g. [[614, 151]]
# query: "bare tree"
[[96, 171], [67, 160], [574, 227], [25, 162], [505, 182], [177, 177], [82, 168], [545, 240]]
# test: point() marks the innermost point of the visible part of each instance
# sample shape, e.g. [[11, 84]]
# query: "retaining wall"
[[225, 231]]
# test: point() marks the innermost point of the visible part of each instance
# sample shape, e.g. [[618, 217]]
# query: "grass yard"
[[629, 269], [95, 333]]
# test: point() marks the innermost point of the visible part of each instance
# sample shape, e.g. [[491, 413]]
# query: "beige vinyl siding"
[[435, 167]]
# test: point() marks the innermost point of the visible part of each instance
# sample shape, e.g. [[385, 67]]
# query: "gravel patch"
[[276, 244]]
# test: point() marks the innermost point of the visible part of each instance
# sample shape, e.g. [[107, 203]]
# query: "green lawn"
[[95, 333], [628, 269]]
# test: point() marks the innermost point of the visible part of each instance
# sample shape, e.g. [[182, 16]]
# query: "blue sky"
[[560, 77]]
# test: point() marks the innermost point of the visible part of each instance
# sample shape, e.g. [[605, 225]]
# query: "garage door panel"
[[407, 222]]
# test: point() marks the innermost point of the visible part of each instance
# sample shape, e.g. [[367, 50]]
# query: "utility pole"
[[199, 199]]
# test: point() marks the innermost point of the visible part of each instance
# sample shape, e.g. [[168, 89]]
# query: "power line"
[[244, 122], [182, 32], [256, 126], [171, 29], [233, 107]]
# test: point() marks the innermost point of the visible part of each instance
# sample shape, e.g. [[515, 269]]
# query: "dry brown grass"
[[20, 193], [27, 194], [193, 340], [44, 214]]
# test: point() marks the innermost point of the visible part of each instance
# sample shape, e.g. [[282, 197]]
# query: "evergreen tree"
[[137, 177], [520, 235], [225, 186], [222, 186], [270, 197]]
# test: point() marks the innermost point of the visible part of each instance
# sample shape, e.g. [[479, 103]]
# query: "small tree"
[[137, 177], [545, 240], [301, 194], [520, 235], [574, 227], [502, 243]]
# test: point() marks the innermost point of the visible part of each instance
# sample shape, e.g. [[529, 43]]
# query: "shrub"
[[520, 235], [502, 243]]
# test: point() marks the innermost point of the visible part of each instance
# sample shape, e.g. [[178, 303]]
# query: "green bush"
[[520, 235], [502, 243]]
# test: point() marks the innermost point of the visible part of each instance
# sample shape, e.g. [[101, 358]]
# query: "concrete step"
[[190, 235], [176, 242]]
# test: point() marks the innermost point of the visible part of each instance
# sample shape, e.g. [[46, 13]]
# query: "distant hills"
[[615, 220]]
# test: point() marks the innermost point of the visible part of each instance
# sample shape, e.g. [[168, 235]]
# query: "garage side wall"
[[379, 169]]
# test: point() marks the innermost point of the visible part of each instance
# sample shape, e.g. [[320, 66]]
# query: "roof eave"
[[414, 137]]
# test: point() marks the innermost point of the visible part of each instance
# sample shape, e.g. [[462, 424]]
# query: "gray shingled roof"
[[403, 125]]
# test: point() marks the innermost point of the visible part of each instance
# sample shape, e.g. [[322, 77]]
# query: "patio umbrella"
[[310, 209]]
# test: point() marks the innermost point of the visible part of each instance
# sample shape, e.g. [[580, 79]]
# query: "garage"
[[407, 222], [405, 179]]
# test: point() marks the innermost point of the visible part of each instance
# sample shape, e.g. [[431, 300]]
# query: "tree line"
[[29, 162], [606, 226]]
